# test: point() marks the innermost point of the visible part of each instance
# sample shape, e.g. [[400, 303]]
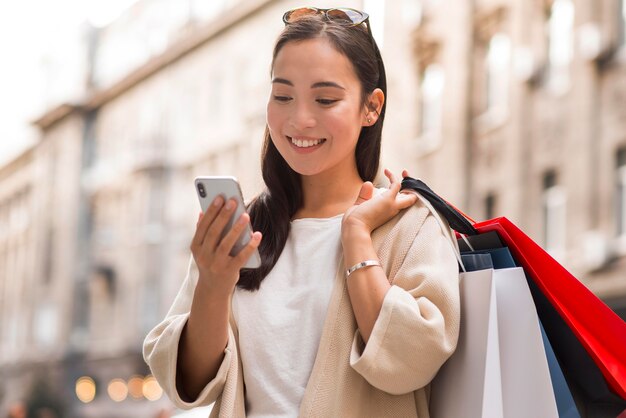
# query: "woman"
[[356, 304]]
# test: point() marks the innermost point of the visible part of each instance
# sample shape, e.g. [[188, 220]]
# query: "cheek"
[[276, 117]]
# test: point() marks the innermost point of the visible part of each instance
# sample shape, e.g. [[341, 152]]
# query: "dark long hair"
[[272, 210]]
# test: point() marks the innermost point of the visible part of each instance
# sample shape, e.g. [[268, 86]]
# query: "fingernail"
[[242, 220], [218, 201]]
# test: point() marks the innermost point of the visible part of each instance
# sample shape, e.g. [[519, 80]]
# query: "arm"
[[368, 286], [203, 341], [163, 344], [192, 350], [418, 323]]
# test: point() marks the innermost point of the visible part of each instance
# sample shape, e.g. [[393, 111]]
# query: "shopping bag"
[[479, 245], [566, 303], [499, 368], [588, 338], [469, 383], [564, 400]]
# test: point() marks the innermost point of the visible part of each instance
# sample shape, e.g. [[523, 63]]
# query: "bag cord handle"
[[459, 221]]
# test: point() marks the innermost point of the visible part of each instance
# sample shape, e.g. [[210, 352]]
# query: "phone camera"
[[201, 190]]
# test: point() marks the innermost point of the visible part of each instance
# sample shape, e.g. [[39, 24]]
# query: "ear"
[[373, 107]]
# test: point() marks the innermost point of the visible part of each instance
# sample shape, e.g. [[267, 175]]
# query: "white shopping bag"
[[499, 368]]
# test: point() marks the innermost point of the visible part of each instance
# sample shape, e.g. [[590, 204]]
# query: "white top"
[[280, 325]]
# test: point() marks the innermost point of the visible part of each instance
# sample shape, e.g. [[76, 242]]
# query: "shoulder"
[[412, 217], [404, 226]]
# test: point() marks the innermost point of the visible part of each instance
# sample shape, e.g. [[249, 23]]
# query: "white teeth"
[[305, 144]]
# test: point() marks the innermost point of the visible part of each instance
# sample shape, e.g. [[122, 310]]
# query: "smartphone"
[[208, 188]]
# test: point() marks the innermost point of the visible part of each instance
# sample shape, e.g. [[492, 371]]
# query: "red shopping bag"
[[598, 329]]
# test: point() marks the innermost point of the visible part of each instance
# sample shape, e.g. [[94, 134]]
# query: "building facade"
[[505, 107]]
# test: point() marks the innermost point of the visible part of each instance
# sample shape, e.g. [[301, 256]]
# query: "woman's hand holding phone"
[[218, 269]]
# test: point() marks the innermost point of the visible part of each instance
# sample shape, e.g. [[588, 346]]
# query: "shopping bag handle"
[[459, 221]]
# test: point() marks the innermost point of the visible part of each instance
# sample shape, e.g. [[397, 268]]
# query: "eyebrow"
[[313, 86]]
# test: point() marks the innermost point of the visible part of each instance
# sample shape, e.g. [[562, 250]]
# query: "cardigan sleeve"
[[418, 325], [160, 349]]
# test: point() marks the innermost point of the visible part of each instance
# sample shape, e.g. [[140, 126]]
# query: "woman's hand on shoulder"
[[369, 211], [219, 271]]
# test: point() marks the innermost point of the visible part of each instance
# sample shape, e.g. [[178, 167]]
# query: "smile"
[[306, 143]]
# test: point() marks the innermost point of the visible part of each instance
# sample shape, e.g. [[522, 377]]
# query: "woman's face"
[[315, 113]]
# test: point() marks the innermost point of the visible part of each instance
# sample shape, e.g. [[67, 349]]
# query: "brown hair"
[[272, 210]]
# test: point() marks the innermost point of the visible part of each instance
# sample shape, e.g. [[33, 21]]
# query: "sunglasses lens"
[[293, 15], [348, 15]]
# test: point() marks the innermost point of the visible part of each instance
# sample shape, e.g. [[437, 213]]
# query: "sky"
[[30, 29]]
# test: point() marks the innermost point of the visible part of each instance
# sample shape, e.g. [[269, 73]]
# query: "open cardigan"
[[416, 331]]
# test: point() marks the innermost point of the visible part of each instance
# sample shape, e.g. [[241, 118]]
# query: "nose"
[[302, 117]]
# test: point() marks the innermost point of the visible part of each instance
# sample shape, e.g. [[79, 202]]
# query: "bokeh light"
[[85, 389], [151, 389], [117, 389], [135, 387]]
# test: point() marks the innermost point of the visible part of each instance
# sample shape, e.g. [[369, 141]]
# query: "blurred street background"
[[108, 110]]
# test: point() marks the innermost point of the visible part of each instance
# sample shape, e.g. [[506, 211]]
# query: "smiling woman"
[[356, 304]]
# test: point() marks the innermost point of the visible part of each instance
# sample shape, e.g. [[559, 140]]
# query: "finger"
[[214, 233], [390, 175], [366, 193], [205, 222], [405, 173], [245, 253], [395, 185], [229, 240], [404, 200]]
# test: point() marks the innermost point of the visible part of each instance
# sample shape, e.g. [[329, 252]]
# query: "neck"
[[328, 194]]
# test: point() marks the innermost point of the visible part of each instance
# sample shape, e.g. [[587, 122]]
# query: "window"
[[560, 44], [497, 71], [554, 216], [376, 10], [623, 22], [490, 206], [49, 255], [81, 316], [620, 195], [46, 324], [431, 101]]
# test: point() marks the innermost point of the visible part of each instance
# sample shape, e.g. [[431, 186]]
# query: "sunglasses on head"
[[351, 17], [345, 16]]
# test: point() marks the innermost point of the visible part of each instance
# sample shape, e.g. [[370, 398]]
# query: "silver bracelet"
[[362, 264]]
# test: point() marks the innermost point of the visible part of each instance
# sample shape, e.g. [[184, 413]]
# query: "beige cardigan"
[[416, 331]]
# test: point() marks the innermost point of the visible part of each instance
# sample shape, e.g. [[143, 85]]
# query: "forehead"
[[313, 60]]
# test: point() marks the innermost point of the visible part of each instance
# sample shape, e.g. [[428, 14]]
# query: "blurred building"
[[506, 107]]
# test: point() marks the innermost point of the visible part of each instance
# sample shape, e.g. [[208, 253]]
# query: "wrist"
[[213, 291], [354, 232]]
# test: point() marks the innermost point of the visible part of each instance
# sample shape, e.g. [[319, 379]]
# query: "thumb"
[[405, 200], [366, 193]]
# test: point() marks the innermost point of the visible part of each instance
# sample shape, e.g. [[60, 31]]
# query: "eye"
[[282, 99], [326, 102]]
